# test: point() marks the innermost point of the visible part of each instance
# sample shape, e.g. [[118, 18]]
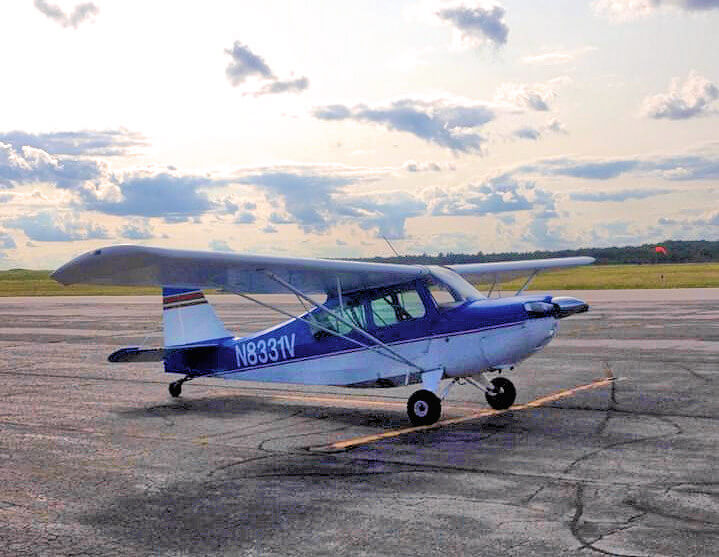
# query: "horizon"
[[440, 255], [445, 126]]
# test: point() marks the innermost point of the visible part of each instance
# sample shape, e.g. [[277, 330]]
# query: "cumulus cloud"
[[527, 133], [477, 25], [137, 229], [81, 12], [290, 86], [245, 217], [591, 169], [426, 166], [620, 233], [710, 218], [617, 196], [442, 122], [544, 232], [504, 197], [702, 164], [55, 227], [624, 10], [219, 245], [685, 100], [307, 197], [31, 165], [176, 198], [333, 112], [92, 186], [533, 134], [534, 96], [315, 202], [385, 212], [6, 241], [525, 214], [280, 218], [496, 195], [245, 64], [555, 126], [77, 143]]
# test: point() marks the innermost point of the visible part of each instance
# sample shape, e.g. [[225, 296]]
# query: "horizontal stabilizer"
[[137, 354]]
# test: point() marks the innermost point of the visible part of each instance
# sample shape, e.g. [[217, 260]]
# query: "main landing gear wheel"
[[504, 394], [175, 389], [424, 407]]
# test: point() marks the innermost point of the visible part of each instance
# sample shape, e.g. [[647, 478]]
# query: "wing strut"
[[524, 287], [494, 284], [360, 330], [318, 326]]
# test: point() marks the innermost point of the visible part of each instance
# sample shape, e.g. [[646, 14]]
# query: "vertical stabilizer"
[[187, 318]]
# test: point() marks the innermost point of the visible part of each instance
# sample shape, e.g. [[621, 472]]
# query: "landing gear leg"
[[499, 392], [175, 387], [424, 408]]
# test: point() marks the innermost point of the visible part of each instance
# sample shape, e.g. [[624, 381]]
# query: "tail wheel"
[[424, 408], [504, 394]]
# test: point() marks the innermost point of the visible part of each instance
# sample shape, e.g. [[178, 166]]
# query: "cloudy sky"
[[316, 128]]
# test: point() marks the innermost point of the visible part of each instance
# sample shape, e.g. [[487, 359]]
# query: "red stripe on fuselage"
[[183, 297]]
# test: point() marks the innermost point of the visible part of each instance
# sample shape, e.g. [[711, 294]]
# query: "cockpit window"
[[397, 304], [351, 311]]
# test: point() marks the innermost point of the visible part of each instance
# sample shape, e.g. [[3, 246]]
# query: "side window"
[[353, 312], [393, 306]]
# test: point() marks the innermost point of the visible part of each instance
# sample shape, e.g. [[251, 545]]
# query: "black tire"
[[505, 394], [175, 389], [424, 408]]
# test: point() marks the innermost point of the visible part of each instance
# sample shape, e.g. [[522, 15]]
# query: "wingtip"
[[55, 275]]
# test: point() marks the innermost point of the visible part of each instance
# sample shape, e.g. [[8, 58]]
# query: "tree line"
[[677, 251]]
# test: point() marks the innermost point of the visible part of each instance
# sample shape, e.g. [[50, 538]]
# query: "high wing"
[[148, 266], [504, 271]]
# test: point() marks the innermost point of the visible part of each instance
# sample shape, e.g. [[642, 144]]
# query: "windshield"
[[453, 284]]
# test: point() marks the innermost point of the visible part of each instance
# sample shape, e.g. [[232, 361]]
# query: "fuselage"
[[463, 336]]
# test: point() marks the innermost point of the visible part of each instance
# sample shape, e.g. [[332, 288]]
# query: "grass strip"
[[21, 282]]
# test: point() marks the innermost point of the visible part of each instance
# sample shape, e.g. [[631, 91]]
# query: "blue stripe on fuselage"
[[470, 317]]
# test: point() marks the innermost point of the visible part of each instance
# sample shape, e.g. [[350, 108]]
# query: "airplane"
[[379, 324]]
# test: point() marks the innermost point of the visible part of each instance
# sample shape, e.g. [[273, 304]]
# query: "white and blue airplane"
[[380, 325]]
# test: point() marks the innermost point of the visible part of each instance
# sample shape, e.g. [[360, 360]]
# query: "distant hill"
[[677, 252]]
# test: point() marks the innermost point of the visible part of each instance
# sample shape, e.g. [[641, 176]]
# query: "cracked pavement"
[[97, 459]]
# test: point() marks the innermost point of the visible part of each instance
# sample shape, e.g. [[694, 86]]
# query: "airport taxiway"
[[97, 459]]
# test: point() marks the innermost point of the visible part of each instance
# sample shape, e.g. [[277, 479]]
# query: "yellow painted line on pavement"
[[344, 400], [365, 439]]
